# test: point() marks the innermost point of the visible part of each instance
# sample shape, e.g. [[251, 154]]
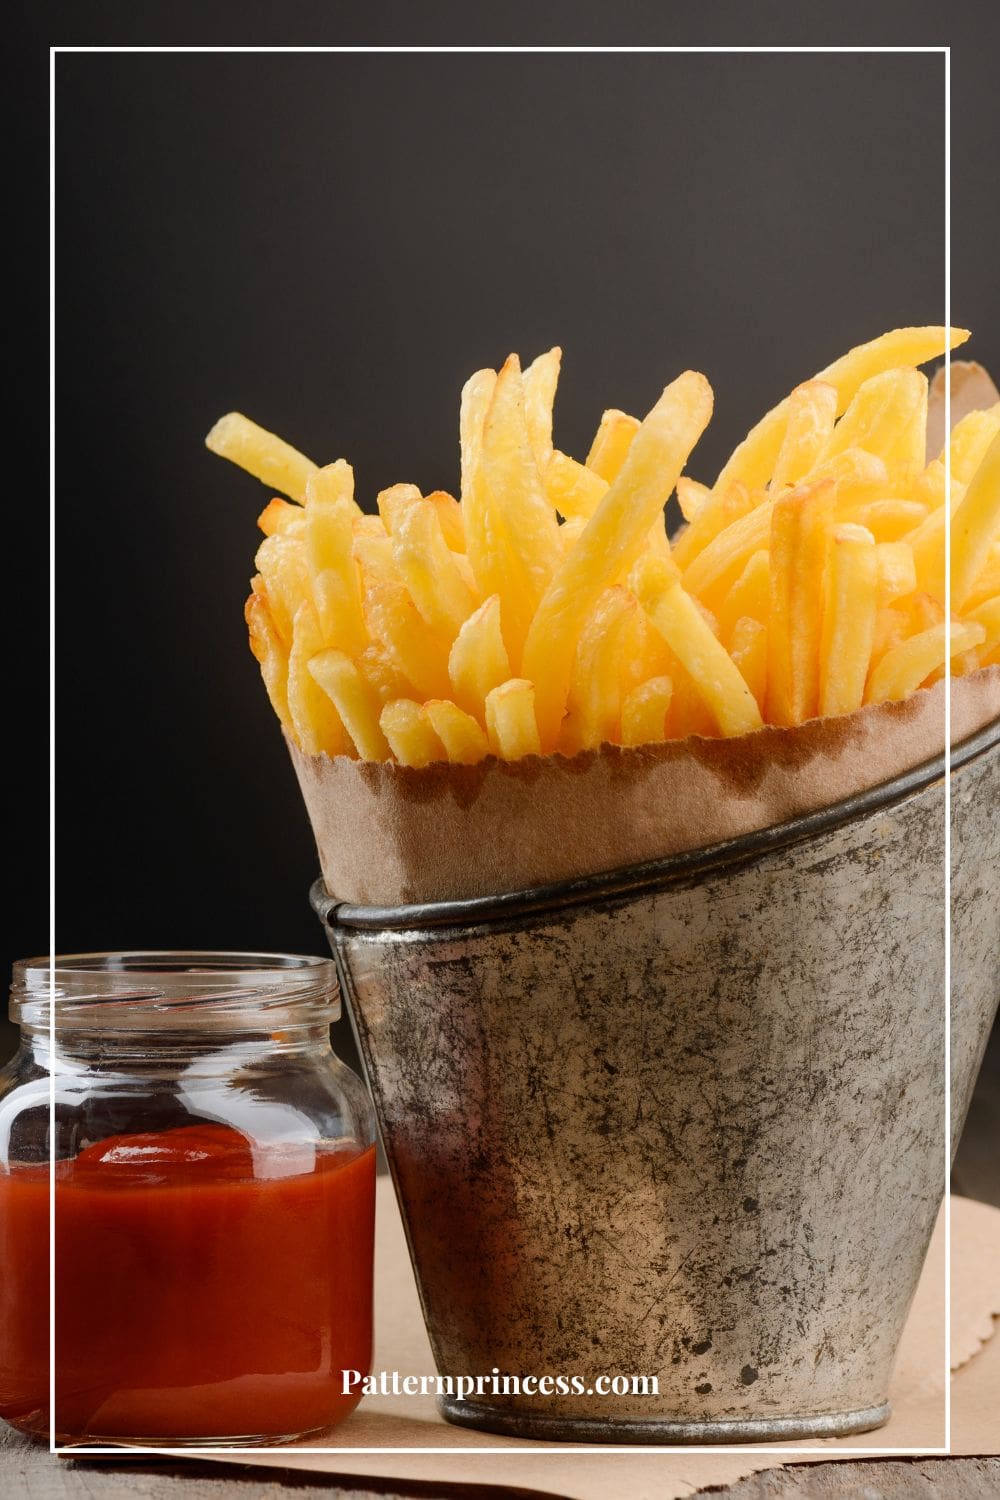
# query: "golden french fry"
[[719, 510], [612, 441], [570, 533], [281, 562], [897, 573], [749, 653], [611, 541], [720, 563], [572, 488], [859, 475], [970, 440], [411, 737], [315, 721], [392, 618], [267, 457], [382, 674], [930, 487], [691, 496], [887, 416], [482, 544], [394, 502], [430, 570], [461, 735], [887, 520], [644, 712], [903, 668], [849, 615], [356, 701], [478, 661], [330, 517], [270, 651], [449, 514], [753, 461], [812, 411], [987, 582], [279, 515], [749, 595], [801, 524], [975, 526], [510, 720], [595, 692], [987, 615], [539, 383], [678, 619]]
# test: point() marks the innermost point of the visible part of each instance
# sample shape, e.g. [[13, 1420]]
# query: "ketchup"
[[201, 1292]]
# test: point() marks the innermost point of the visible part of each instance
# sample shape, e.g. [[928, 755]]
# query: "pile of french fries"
[[547, 611]]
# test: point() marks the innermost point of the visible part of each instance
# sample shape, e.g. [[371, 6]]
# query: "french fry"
[[887, 520], [812, 410], [595, 693], [330, 516], [975, 524], [801, 523], [411, 737], [644, 711], [478, 661], [718, 511], [749, 653], [887, 416], [753, 461], [903, 668], [430, 570], [717, 567], [483, 543], [970, 440], [281, 562], [461, 735], [270, 651], [691, 496], [572, 488], [449, 514], [279, 515], [510, 720], [611, 541], [987, 582], [392, 618], [849, 615], [612, 441], [267, 457], [678, 619], [356, 701], [987, 615], [394, 502], [539, 385], [382, 674], [897, 573], [749, 595], [316, 723]]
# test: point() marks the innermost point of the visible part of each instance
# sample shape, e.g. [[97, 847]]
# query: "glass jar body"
[[213, 1234]]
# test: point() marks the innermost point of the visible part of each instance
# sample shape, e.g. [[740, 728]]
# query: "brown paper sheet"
[[389, 835], [971, 390], [917, 1392]]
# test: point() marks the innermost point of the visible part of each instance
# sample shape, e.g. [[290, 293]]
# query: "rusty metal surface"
[[693, 1131]]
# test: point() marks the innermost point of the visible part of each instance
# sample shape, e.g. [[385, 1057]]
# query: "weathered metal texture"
[[689, 1123]]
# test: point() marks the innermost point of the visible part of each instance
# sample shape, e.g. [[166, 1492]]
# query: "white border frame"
[[634, 1450]]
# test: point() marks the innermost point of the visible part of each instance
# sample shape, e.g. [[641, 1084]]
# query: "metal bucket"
[[686, 1120]]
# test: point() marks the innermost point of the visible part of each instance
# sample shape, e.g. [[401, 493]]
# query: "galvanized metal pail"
[[686, 1120]]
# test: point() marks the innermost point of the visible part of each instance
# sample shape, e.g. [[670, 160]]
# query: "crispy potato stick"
[[927, 545], [382, 674], [930, 487], [281, 562], [970, 439], [478, 660], [267, 457], [394, 502], [892, 625], [848, 620], [595, 693], [801, 523], [572, 488], [887, 416], [278, 515], [720, 509], [691, 496], [612, 441], [539, 384], [860, 476], [988, 582], [611, 541], [975, 525], [449, 514], [355, 700], [430, 570], [315, 721], [749, 595], [887, 520], [461, 735], [753, 461], [904, 667], [987, 615], [644, 712], [897, 573], [269, 649], [510, 720], [483, 543], [749, 653], [392, 618], [570, 533], [408, 729], [812, 411], [717, 568], [678, 619], [330, 517]]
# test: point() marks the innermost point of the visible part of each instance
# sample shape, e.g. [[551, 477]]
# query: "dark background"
[[331, 243]]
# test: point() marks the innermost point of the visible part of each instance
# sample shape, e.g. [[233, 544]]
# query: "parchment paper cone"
[[390, 835]]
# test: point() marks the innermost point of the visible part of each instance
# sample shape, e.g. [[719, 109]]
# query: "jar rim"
[[132, 989]]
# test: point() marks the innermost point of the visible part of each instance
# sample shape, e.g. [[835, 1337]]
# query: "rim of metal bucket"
[[632, 879]]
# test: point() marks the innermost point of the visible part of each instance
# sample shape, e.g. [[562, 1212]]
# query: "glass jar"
[[214, 1176]]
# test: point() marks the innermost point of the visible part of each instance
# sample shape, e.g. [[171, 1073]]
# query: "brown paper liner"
[[390, 835]]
